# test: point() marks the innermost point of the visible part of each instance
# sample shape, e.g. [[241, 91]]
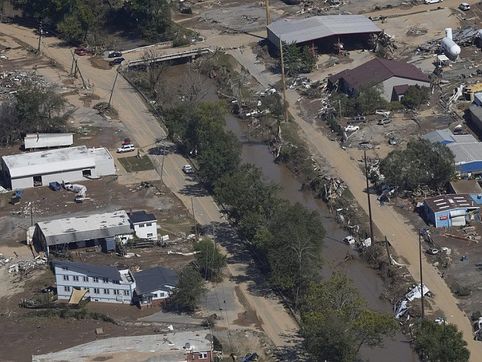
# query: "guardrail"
[[172, 56]]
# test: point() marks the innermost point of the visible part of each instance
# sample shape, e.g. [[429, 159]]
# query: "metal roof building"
[[97, 227], [445, 136], [71, 164], [393, 77], [316, 29], [468, 156], [48, 140], [450, 210]]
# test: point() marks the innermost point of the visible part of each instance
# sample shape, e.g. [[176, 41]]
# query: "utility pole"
[[421, 276], [268, 16], [283, 80], [194, 218], [368, 196], [113, 85], [40, 32], [162, 162], [388, 251]]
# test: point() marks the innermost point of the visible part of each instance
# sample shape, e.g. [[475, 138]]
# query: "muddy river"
[[334, 251]]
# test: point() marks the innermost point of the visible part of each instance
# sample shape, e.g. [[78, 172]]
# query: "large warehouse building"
[[323, 32], [393, 78], [99, 229], [67, 164]]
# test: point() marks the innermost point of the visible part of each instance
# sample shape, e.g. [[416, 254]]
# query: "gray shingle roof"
[[100, 271], [157, 278], [316, 27], [141, 216]]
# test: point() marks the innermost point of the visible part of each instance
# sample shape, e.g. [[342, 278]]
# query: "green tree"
[[248, 200], [440, 342], [415, 96], [366, 101], [209, 259], [298, 59], [34, 108], [190, 288], [421, 164], [336, 324], [151, 17], [292, 243]]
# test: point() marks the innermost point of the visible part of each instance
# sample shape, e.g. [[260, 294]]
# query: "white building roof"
[[316, 27], [167, 347], [75, 229], [43, 140], [52, 161]]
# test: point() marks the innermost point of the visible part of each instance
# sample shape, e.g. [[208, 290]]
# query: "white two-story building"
[[102, 283], [144, 224]]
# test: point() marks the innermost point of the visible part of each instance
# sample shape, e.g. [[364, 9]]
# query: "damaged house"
[[450, 210], [391, 76]]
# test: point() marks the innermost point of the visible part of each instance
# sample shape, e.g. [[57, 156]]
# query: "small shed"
[[450, 210], [48, 140]]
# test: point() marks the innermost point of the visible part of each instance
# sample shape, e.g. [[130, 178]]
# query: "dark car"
[[81, 51], [115, 54], [116, 61]]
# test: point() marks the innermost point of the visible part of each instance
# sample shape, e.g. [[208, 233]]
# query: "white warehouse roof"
[[74, 229], [51, 161], [303, 30]]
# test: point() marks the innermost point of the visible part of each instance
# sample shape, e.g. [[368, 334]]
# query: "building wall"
[[273, 39], [199, 356], [96, 289], [69, 176], [387, 85], [146, 230], [470, 167]]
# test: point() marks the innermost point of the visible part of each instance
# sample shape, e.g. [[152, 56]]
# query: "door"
[[37, 181]]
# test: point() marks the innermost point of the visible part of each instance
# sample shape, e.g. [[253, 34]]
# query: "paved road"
[[144, 129]]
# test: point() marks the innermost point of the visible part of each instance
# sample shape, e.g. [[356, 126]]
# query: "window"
[[95, 279], [105, 280], [116, 282], [149, 235], [76, 278], [66, 277], [86, 279], [67, 289], [203, 355], [86, 173], [149, 224], [116, 291], [106, 291], [141, 225], [126, 292], [96, 291]]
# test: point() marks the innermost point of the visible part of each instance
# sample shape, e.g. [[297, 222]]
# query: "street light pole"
[[421, 275], [113, 85]]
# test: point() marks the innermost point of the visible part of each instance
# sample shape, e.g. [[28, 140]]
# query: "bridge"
[[191, 53]]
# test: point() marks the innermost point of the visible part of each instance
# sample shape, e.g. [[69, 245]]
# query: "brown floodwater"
[[334, 251]]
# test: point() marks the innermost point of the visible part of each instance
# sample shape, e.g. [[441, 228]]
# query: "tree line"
[[285, 239], [86, 21]]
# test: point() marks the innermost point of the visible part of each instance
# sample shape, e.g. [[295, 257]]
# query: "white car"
[[351, 128], [464, 7], [381, 112], [433, 1], [126, 148], [349, 240], [187, 169]]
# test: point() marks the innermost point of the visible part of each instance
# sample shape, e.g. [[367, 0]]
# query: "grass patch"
[[73, 314], [134, 164]]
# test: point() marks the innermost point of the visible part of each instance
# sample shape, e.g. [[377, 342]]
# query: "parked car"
[[114, 54], [116, 61], [365, 145], [381, 112], [432, 251], [81, 51], [351, 128], [55, 186], [433, 1], [393, 141], [127, 141], [464, 7], [126, 148], [359, 119], [384, 121], [187, 169]]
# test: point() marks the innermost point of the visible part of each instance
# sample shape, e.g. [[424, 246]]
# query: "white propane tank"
[[450, 49]]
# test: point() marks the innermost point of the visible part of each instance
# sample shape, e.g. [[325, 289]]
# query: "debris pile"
[[401, 309], [333, 188], [26, 266], [11, 81], [317, 7]]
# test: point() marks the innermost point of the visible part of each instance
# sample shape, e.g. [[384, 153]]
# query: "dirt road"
[[144, 129]]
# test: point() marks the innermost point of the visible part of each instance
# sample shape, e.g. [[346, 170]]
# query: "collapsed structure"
[[71, 164]]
